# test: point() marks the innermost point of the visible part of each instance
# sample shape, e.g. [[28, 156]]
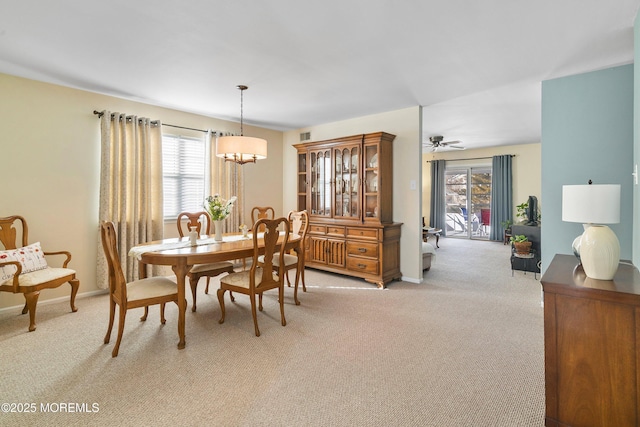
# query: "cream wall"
[[527, 171], [405, 124], [50, 147]]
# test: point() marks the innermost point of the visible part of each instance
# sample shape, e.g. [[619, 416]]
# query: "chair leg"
[[146, 313], [231, 296], [206, 291], [193, 281], [162, 319], [75, 285], [260, 299], [254, 314], [123, 314], [286, 274], [30, 306], [295, 289], [281, 298], [304, 287], [221, 302], [112, 313]]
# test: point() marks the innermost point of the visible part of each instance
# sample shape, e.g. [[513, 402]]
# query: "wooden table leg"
[[181, 272]]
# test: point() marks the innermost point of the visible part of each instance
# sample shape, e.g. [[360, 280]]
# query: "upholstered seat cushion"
[[207, 267], [288, 259], [241, 279], [39, 277], [150, 287]]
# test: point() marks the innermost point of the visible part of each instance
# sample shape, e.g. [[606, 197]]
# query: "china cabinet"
[[345, 185]]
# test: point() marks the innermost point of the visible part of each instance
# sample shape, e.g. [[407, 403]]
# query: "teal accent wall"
[[587, 133], [636, 143]]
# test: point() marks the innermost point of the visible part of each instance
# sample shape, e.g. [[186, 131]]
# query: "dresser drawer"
[[363, 233], [335, 231], [317, 229], [363, 265], [364, 249]]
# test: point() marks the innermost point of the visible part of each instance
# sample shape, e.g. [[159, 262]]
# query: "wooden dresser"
[[345, 185], [592, 346]]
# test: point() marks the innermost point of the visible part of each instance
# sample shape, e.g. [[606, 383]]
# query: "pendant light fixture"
[[241, 149]]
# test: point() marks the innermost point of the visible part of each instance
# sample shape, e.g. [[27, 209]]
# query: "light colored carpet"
[[464, 348]]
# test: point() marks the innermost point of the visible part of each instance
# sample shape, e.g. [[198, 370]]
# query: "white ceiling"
[[476, 67]]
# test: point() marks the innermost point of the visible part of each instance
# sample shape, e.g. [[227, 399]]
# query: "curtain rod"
[[471, 158], [155, 122]]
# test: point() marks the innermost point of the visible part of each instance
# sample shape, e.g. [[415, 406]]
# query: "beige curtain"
[[227, 179], [130, 186]]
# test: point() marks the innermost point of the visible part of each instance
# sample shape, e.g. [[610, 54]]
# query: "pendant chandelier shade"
[[241, 149]]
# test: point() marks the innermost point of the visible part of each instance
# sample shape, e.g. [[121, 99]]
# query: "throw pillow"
[[31, 257]]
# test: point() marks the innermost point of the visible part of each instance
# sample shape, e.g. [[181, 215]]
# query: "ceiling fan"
[[436, 142]]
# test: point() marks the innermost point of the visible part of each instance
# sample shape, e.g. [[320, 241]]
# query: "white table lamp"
[[593, 206]]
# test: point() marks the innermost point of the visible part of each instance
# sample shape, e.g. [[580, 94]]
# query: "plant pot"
[[522, 248]]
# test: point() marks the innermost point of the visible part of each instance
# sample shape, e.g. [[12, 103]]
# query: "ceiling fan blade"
[[451, 142], [459, 148]]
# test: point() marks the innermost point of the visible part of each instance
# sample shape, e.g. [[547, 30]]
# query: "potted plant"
[[506, 224], [521, 211], [521, 243]]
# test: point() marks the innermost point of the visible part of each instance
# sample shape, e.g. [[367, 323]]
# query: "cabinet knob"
[[362, 250], [362, 266]]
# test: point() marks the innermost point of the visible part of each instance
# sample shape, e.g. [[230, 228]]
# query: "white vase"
[[218, 225]]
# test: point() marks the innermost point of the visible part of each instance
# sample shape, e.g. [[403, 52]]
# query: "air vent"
[[305, 136]]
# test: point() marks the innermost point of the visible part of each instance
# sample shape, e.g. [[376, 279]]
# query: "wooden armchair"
[[201, 221], [25, 270], [260, 277]]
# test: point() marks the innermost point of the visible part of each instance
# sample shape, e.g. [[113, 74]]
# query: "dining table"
[[180, 255]]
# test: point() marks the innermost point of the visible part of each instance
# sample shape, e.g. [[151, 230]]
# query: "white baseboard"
[[59, 299]]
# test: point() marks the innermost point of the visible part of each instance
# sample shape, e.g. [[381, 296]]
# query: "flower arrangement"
[[218, 207]]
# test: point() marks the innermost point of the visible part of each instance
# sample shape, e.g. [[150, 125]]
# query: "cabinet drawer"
[[363, 265], [335, 231], [364, 249], [363, 233], [317, 229]]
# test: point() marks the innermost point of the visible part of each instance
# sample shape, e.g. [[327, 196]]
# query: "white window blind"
[[184, 164]]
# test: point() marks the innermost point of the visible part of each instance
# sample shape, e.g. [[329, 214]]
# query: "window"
[[184, 164]]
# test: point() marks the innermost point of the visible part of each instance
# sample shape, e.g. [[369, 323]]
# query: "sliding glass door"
[[468, 199]]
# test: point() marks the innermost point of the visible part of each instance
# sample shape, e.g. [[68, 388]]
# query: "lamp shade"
[[591, 204], [241, 149]]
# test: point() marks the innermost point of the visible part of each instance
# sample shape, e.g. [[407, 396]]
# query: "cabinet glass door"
[[347, 168], [302, 181], [371, 191], [320, 183]]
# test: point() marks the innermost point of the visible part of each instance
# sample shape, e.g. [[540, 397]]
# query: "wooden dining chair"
[[201, 221], [139, 293], [299, 223], [24, 269], [260, 212], [260, 277]]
